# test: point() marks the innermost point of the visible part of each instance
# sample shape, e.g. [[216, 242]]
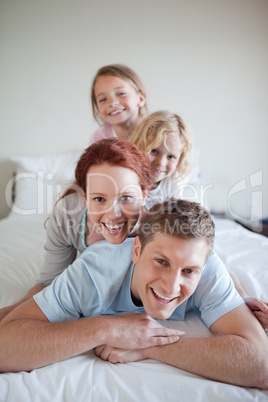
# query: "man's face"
[[167, 272]]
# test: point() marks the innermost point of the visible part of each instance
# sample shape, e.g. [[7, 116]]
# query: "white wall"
[[206, 60]]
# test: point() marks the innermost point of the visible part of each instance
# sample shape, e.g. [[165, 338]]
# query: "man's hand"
[[115, 355], [138, 331], [132, 335]]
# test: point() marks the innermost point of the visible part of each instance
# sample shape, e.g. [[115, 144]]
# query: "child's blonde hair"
[[154, 130], [126, 74]]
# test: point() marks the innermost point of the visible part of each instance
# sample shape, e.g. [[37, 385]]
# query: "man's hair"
[[180, 218]]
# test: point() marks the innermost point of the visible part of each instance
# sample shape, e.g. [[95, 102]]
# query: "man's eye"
[[189, 271], [160, 261]]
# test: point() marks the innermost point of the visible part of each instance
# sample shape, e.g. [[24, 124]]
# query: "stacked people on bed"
[[125, 249]]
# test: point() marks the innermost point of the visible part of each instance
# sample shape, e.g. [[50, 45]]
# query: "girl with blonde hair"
[[167, 141]]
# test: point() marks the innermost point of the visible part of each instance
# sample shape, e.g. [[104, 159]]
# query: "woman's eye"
[[99, 199], [102, 100], [171, 157], [126, 198], [122, 93], [153, 151]]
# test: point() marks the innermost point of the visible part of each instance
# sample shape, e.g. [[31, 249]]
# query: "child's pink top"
[[105, 131]]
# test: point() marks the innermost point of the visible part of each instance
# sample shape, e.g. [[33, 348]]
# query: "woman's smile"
[[114, 200]]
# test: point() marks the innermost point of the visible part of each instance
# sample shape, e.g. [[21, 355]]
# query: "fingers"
[[114, 355], [263, 318], [163, 336], [260, 309], [163, 340], [262, 306], [162, 331], [157, 337], [110, 353], [256, 304], [105, 353], [99, 349]]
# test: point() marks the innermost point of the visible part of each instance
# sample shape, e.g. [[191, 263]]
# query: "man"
[[173, 273]]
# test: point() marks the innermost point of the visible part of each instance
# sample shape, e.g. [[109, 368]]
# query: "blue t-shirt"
[[98, 283]]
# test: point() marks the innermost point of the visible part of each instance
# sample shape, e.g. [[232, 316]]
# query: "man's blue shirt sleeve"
[[88, 286]]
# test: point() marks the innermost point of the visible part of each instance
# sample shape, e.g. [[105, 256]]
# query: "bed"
[[86, 377]]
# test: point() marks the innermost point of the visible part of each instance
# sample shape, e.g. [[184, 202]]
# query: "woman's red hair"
[[114, 152]]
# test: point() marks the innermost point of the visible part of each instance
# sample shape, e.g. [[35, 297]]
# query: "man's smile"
[[163, 298]]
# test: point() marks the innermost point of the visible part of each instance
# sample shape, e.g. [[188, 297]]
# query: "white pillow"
[[39, 179]]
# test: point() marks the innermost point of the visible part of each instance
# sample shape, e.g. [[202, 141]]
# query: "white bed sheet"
[[87, 378]]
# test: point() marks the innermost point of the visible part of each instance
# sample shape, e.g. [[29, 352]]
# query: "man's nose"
[[172, 282]]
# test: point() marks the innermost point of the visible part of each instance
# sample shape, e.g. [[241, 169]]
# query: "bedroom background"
[[206, 60]]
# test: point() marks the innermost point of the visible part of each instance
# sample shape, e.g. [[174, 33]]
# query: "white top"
[[167, 188]]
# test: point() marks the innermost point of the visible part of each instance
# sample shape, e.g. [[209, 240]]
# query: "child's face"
[[117, 101], [114, 200], [167, 272], [165, 158]]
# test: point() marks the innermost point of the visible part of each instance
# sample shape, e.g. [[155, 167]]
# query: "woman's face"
[[114, 200]]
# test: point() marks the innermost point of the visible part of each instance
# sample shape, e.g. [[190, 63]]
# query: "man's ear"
[[136, 250]]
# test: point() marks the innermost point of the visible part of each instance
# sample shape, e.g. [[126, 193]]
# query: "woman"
[[112, 179]]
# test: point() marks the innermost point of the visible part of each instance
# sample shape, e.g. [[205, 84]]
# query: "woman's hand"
[[260, 309]]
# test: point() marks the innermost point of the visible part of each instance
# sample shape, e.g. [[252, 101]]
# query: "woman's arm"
[[63, 237], [6, 310]]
